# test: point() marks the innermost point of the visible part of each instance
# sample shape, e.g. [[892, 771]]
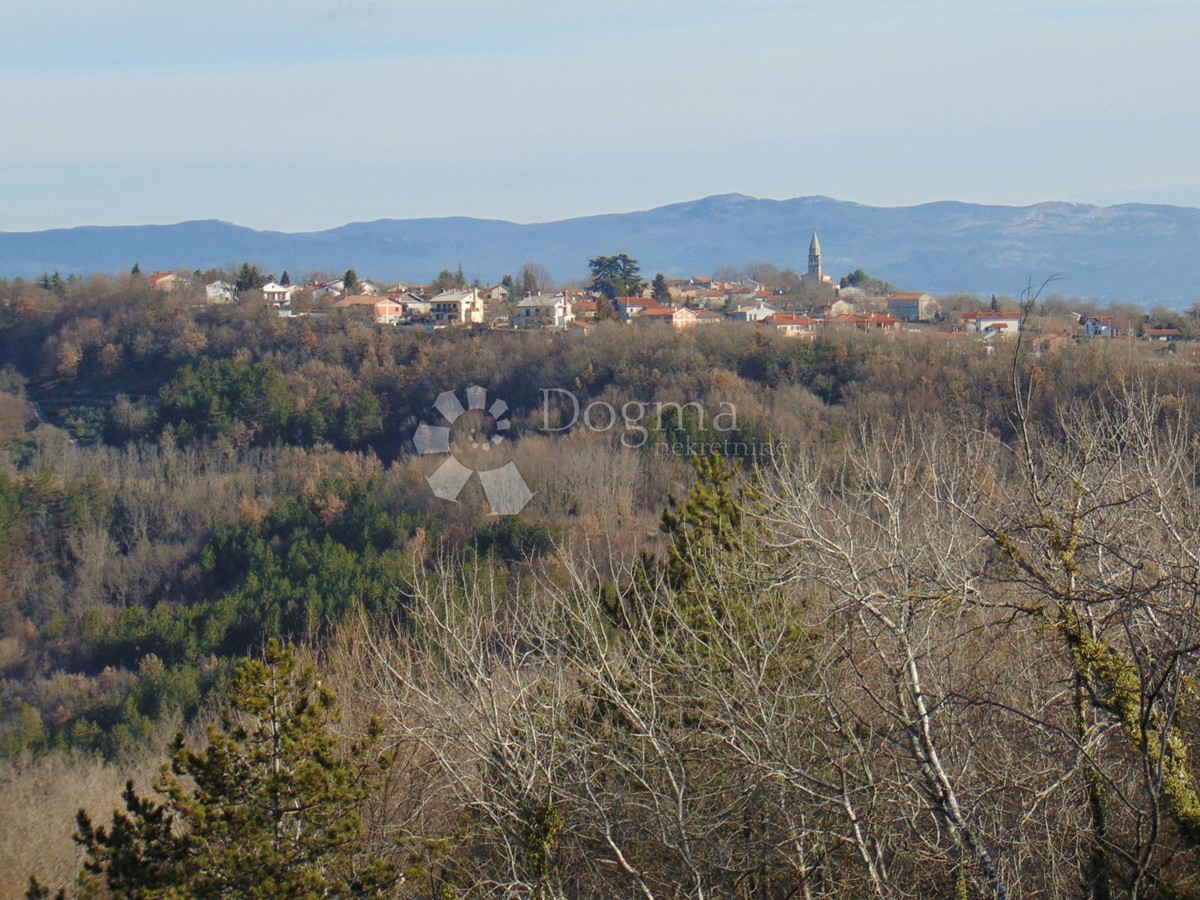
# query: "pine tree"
[[269, 808], [285, 279], [709, 519]]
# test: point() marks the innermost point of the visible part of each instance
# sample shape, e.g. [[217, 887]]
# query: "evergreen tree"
[[250, 278], [136, 270], [285, 279], [615, 276], [661, 293], [351, 282], [709, 519], [269, 808]]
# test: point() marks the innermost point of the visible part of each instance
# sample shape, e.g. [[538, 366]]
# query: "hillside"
[[1131, 252]]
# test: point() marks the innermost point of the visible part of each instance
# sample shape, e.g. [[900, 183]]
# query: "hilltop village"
[[795, 305]]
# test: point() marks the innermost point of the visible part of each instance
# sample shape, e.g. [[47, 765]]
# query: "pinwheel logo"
[[473, 433]]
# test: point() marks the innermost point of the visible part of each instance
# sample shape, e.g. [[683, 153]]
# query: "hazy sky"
[[311, 113]]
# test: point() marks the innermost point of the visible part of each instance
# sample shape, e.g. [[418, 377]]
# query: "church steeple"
[[814, 258]]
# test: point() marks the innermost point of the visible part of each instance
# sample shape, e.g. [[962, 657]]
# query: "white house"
[[278, 295], [461, 307], [753, 313], [991, 323], [544, 311], [219, 292], [630, 308], [1099, 326]]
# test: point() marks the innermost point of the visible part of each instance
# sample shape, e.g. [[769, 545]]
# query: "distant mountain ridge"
[[1136, 252]]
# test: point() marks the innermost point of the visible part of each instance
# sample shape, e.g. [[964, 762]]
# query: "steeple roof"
[[815, 247]]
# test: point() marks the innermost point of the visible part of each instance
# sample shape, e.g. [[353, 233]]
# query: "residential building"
[[678, 317], [1104, 326], [384, 310], [544, 311], [278, 295], [220, 292], [586, 309], [166, 281], [630, 308], [1162, 334], [329, 290], [912, 307], [991, 323], [461, 307], [792, 326], [757, 313], [871, 322]]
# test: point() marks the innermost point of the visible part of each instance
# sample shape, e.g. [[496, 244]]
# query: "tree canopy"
[[615, 276]]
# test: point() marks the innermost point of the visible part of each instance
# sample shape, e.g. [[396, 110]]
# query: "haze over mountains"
[[1132, 252]]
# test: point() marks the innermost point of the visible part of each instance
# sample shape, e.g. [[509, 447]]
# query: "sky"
[[308, 114]]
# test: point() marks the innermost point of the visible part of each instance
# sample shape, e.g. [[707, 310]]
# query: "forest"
[[940, 640]]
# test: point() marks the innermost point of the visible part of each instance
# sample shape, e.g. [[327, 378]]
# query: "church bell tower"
[[814, 258]]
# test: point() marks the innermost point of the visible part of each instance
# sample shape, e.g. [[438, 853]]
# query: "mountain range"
[[1132, 252]]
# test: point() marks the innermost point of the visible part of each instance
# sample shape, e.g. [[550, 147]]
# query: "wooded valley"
[[940, 640]]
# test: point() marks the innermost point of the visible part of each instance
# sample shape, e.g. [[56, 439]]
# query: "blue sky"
[[312, 113]]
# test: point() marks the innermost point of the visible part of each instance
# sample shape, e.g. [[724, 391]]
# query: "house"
[[219, 292], [496, 293], [871, 322], [757, 313], [792, 326], [278, 295], [1099, 326], [991, 323], [678, 317], [1162, 334], [370, 290], [388, 311], [457, 307], [544, 311], [587, 310], [912, 307], [630, 308], [328, 290], [680, 289], [384, 310], [166, 281], [415, 306], [655, 315]]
